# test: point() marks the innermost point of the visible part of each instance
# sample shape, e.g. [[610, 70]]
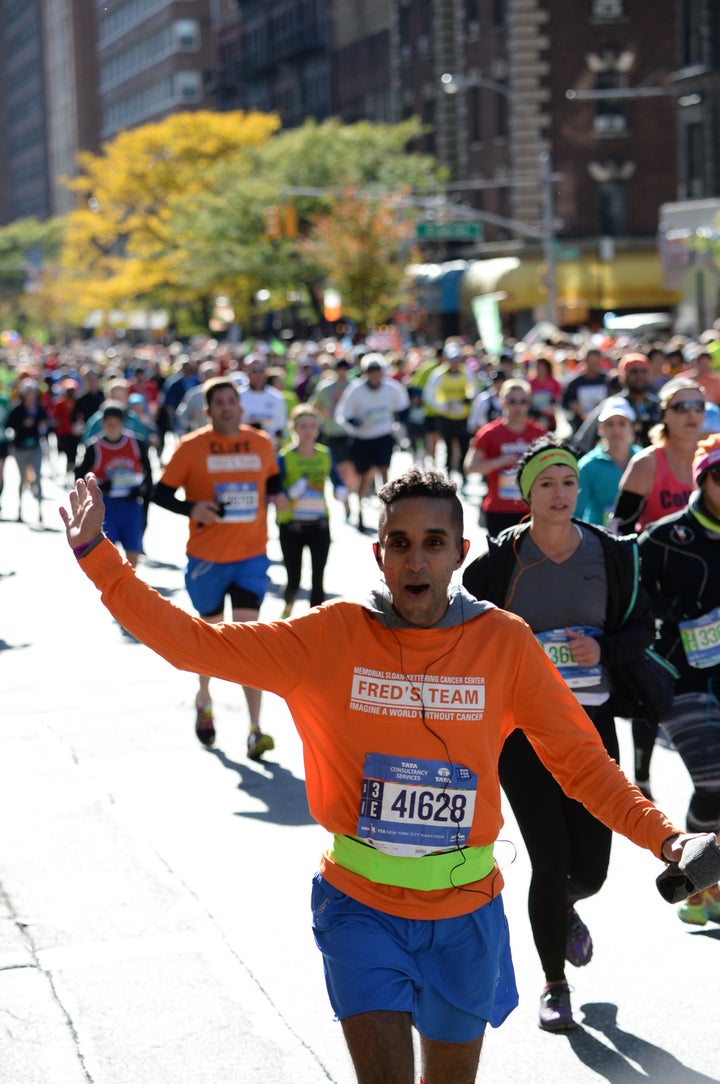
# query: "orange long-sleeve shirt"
[[353, 687]]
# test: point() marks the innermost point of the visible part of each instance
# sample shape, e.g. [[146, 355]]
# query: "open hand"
[[83, 523]]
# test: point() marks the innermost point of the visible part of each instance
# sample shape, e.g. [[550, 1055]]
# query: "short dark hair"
[[215, 383], [421, 483]]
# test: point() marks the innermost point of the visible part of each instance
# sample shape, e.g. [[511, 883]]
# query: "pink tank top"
[[667, 495]]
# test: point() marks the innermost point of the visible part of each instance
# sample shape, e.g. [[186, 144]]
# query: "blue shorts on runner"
[[453, 975], [244, 581], [124, 522]]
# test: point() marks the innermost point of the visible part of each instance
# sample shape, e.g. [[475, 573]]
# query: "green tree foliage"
[[323, 171], [29, 251], [176, 213]]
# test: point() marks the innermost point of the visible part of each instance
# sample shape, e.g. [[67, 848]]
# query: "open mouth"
[[417, 590]]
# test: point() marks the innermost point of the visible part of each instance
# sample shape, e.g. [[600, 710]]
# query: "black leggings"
[[569, 849], [694, 729], [294, 537]]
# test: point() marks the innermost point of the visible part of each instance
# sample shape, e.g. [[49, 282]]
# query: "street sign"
[[450, 231], [567, 252]]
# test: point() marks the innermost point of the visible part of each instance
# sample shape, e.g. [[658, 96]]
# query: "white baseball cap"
[[617, 408]]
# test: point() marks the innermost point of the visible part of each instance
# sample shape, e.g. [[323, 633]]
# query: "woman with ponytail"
[[577, 587]]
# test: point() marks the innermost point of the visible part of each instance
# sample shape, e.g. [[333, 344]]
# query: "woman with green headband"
[[680, 568], [576, 586]]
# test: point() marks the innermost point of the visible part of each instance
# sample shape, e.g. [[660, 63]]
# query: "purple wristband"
[[80, 551]]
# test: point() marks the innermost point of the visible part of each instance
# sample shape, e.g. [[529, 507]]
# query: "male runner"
[[228, 472], [401, 738]]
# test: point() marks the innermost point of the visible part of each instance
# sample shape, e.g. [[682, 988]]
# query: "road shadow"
[[633, 1058], [152, 562], [5, 646], [282, 793], [712, 932]]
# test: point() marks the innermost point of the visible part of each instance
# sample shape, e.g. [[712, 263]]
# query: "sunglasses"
[[687, 405], [517, 402], [636, 372], [714, 475]]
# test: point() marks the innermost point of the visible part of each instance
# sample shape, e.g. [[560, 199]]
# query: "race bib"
[[238, 501], [415, 807], [701, 640], [508, 487], [556, 646], [123, 481], [310, 505]]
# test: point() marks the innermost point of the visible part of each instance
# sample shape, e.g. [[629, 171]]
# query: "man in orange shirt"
[[401, 738], [228, 472]]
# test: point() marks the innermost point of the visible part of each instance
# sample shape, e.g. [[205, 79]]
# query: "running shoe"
[[697, 909], [205, 725], [579, 946], [555, 1012], [258, 743]]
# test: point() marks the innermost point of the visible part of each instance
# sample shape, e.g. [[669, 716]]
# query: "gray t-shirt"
[[552, 597]]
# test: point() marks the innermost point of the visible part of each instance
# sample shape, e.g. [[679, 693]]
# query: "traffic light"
[[273, 223], [290, 220], [281, 221]]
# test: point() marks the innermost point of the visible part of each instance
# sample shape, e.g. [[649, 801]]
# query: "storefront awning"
[[632, 280]]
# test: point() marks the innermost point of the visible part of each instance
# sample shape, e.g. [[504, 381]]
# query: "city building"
[[154, 58], [694, 217], [48, 102], [556, 120], [285, 58]]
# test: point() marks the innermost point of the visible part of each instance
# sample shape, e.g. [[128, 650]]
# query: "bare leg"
[[380, 1045], [450, 1063]]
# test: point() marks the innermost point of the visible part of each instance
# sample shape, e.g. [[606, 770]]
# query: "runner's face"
[[711, 490], [418, 553], [224, 411], [686, 424], [553, 495], [306, 428], [617, 431], [112, 427]]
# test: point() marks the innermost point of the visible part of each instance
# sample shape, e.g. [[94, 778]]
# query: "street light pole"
[[451, 84]]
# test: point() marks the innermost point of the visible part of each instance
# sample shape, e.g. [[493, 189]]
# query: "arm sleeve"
[[570, 748], [628, 507], [274, 485], [164, 496], [275, 657]]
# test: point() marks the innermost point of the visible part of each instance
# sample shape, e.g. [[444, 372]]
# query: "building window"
[[695, 160], [608, 9], [612, 208], [474, 99], [188, 87], [693, 33], [187, 33], [498, 13], [610, 118], [501, 116]]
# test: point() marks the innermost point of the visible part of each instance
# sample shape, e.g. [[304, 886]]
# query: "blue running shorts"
[[124, 522], [453, 975], [245, 581]]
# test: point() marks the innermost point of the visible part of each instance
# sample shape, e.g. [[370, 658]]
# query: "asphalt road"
[[154, 896]]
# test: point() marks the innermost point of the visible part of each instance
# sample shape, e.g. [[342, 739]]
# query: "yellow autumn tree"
[[121, 248]]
